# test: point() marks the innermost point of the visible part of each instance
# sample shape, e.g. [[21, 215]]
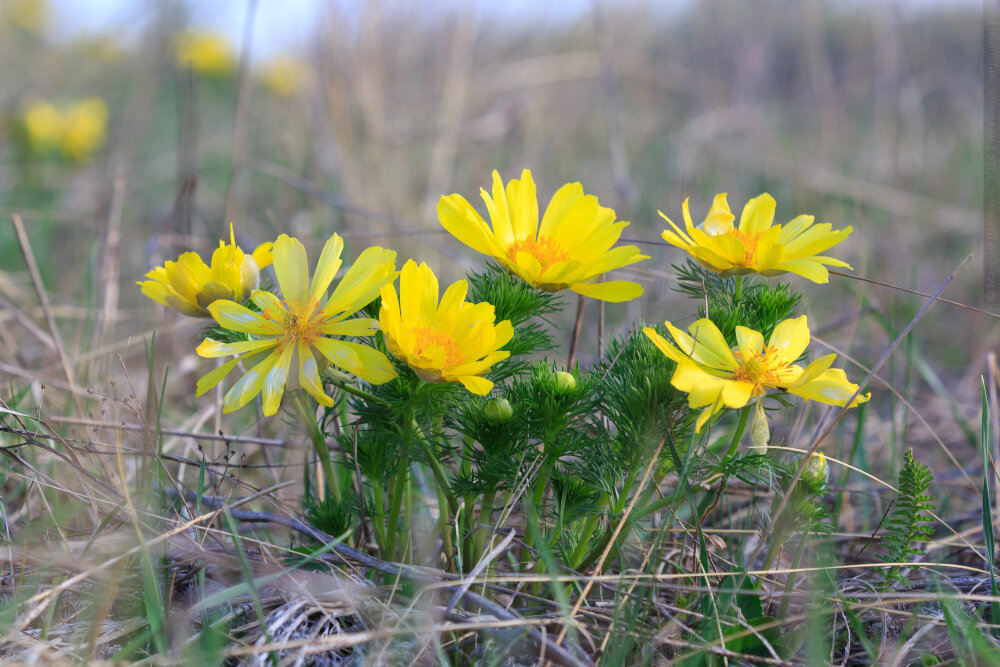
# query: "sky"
[[280, 25]]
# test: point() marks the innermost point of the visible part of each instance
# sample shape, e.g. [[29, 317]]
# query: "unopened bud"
[[760, 434], [565, 382], [498, 410], [817, 469]]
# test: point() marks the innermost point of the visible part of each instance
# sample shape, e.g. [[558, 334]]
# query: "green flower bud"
[[498, 410], [565, 382], [760, 434], [817, 469]]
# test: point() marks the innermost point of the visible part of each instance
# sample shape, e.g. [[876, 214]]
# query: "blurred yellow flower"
[[43, 126], [447, 341], [204, 52], [571, 248], [756, 245], [190, 286], [30, 15], [715, 376], [291, 331], [284, 76], [84, 128]]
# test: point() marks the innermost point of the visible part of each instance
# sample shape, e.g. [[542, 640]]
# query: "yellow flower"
[[715, 376], [571, 248], [447, 341], [43, 126], [284, 76], [190, 286], [204, 52], [756, 245], [30, 15], [84, 128], [291, 331]]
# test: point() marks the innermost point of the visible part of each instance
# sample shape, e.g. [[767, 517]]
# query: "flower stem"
[[738, 433], [398, 489], [349, 388], [308, 418], [738, 296]]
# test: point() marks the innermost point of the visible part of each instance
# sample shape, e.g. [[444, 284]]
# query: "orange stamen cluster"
[[544, 249], [428, 338], [297, 322], [757, 369], [749, 244]]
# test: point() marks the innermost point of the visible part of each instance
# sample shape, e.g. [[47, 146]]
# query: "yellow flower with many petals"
[[190, 286], [294, 331], [757, 245], [715, 376], [569, 250], [449, 340], [204, 52], [43, 126], [284, 76], [84, 128]]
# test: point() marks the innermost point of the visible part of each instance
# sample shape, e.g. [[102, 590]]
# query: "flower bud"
[[817, 469], [498, 410], [760, 434], [565, 382]]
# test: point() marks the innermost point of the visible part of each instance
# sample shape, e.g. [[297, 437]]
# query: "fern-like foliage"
[[911, 521], [760, 307]]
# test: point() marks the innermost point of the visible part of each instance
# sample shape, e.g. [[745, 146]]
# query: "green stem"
[[738, 433], [738, 296], [485, 510], [786, 598], [349, 388], [308, 419], [379, 527], [398, 489]]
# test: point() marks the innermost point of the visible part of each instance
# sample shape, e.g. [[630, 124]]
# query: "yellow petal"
[[559, 207], [271, 307], [215, 376], [523, 200], [807, 268], [832, 387], [212, 292], [262, 255], [750, 342], [274, 381], [462, 221], [291, 268], [710, 347], [210, 348], [233, 316], [309, 376], [365, 362], [187, 275], [789, 340], [758, 214], [326, 268], [249, 385], [359, 326], [613, 291], [719, 219], [475, 384], [503, 230], [373, 268]]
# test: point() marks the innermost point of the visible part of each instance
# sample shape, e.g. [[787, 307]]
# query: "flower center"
[[749, 244], [430, 339], [297, 322], [544, 249], [757, 369]]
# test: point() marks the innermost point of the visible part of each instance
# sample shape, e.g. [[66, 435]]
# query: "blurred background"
[[133, 130]]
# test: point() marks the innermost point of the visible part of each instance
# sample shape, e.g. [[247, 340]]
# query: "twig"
[[424, 576]]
